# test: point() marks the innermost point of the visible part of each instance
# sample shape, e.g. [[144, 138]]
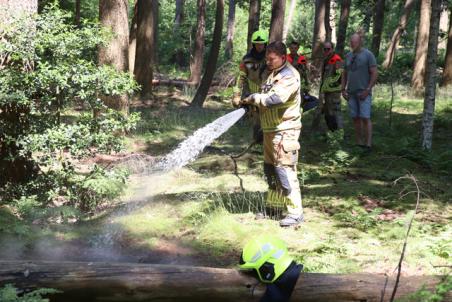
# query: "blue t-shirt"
[[358, 67]]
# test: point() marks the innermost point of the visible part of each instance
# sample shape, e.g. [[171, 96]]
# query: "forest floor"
[[355, 215]]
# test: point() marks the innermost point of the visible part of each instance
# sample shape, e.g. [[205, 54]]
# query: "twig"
[[236, 173], [383, 292], [234, 157], [399, 266]]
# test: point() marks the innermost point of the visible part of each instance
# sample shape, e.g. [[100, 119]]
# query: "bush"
[[9, 294], [50, 68]]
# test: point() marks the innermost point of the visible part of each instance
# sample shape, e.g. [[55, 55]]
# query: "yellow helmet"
[[259, 37], [267, 255]]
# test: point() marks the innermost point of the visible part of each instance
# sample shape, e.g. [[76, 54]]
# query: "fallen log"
[[178, 83], [131, 282]]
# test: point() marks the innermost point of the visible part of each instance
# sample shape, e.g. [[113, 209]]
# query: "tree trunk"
[[447, 73], [203, 88], [145, 46], [390, 53], [198, 52], [319, 32], [113, 14], [253, 19], [430, 77], [343, 23], [179, 15], [15, 166], [131, 282], [328, 29], [155, 25], [378, 26], [230, 35], [133, 38], [77, 12], [179, 52], [293, 5], [277, 20], [417, 80]]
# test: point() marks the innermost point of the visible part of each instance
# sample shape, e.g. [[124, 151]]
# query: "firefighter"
[[301, 64], [253, 72], [279, 106], [330, 87]]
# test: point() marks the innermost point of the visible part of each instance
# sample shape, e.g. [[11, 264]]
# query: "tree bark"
[[179, 15], [197, 58], [390, 53], [203, 89], [129, 282], [230, 34], [277, 20], [378, 26], [319, 32], [447, 73], [417, 80], [430, 77], [145, 46], [343, 24], [292, 7], [113, 14], [253, 19], [133, 38]]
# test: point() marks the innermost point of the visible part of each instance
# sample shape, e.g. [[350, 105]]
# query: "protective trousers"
[[332, 110], [280, 168]]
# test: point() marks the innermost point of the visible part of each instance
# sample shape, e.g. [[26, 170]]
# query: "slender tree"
[[253, 19], [77, 12], [203, 89], [292, 7], [133, 38], [155, 26], [379, 17], [277, 20], [230, 34], [197, 57], [390, 53], [447, 74], [113, 14], [319, 35], [179, 14], [328, 29], [417, 80], [430, 88], [145, 47], [343, 24]]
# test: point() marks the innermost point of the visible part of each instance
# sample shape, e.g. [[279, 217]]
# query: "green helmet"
[[267, 255], [259, 37]]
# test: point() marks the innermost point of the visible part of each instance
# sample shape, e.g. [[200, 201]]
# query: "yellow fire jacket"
[[279, 100]]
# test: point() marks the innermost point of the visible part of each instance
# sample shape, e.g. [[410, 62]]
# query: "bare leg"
[[358, 130], [367, 129]]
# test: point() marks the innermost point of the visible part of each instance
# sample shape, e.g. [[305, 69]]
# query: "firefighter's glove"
[[252, 99], [236, 101]]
